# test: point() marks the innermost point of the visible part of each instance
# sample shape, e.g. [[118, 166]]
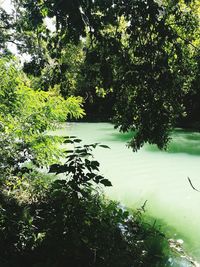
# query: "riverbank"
[[157, 176]]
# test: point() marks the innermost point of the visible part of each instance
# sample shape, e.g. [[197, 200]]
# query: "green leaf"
[[104, 146], [77, 140], [106, 182], [68, 141], [125, 214], [54, 168]]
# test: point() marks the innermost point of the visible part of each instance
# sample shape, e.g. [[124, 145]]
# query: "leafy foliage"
[[141, 57], [134, 59], [69, 223], [26, 116], [80, 171], [63, 220]]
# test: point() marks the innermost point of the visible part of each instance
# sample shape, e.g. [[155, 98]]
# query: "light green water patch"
[[157, 176]]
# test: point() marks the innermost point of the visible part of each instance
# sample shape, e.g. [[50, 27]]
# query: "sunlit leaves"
[[137, 56], [26, 115]]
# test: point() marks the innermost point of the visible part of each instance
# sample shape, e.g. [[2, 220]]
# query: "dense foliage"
[[26, 115], [60, 230], [59, 218], [69, 222], [135, 61]]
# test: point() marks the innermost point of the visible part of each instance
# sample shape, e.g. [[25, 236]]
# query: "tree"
[[50, 220], [26, 116], [135, 51], [141, 53]]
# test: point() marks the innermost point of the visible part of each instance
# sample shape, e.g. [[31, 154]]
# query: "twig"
[[192, 185]]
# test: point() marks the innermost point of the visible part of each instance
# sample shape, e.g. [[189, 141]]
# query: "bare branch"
[[192, 185]]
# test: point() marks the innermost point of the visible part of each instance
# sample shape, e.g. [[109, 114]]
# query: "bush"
[[62, 229], [68, 222]]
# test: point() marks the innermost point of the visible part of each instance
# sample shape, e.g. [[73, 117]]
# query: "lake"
[[160, 177]]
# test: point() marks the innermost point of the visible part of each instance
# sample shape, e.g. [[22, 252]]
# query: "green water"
[[157, 176]]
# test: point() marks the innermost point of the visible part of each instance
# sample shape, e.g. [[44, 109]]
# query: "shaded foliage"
[[135, 60], [71, 223], [60, 219], [141, 57], [81, 172]]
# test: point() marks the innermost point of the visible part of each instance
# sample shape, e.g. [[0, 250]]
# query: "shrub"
[[71, 223], [62, 229]]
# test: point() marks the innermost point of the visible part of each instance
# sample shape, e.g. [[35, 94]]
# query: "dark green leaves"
[[80, 171], [137, 62], [104, 146], [105, 182]]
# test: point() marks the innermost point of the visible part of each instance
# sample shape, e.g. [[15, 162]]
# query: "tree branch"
[[192, 185]]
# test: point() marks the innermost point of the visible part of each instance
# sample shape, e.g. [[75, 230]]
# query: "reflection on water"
[[182, 141], [150, 174], [116, 136], [185, 142]]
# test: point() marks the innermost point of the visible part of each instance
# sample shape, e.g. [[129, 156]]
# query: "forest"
[[133, 63]]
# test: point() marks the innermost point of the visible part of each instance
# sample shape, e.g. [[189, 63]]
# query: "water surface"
[[160, 177]]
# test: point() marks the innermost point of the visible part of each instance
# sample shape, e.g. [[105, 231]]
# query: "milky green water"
[[160, 177]]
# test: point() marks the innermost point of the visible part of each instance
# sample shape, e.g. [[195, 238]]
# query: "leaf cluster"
[[26, 116], [80, 170], [140, 56], [60, 229]]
